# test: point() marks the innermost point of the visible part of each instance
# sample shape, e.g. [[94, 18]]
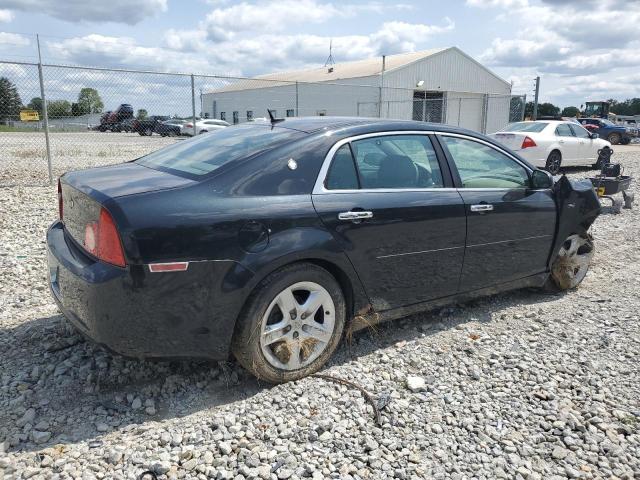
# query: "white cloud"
[[193, 50], [120, 11], [6, 15], [566, 41], [13, 40]]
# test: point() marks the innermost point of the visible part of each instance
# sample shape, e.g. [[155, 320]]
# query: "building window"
[[235, 117], [223, 115], [290, 113], [249, 115]]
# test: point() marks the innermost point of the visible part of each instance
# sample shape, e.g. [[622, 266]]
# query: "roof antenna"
[[274, 120], [330, 61]]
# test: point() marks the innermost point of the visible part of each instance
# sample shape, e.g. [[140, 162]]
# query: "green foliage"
[[630, 106], [142, 114], [35, 104], [59, 108], [10, 102], [89, 101], [570, 111]]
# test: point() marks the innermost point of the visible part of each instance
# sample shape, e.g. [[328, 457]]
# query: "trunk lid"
[[511, 140], [84, 192]]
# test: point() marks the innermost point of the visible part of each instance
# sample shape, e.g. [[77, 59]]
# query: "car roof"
[[366, 125]]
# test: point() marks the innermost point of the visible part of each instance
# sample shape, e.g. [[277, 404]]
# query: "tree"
[[10, 102], [35, 104], [544, 109], [570, 111], [89, 101], [142, 114], [59, 108]]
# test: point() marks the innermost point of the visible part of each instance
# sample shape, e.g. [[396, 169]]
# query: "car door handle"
[[483, 207], [355, 215]]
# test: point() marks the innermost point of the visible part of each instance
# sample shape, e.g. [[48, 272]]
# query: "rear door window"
[[397, 161], [563, 130]]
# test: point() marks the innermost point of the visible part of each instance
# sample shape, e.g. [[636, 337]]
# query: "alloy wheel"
[[553, 163], [297, 326], [572, 264], [614, 138]]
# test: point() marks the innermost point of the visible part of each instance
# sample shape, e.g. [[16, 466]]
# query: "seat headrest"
[[397, 171]]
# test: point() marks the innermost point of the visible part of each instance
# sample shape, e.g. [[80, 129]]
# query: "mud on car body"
[[269, 240]]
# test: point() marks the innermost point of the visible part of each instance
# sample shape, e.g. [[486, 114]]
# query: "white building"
[[440, 85]]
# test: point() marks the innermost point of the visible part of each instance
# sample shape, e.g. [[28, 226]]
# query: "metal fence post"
[[193, 104], [44, 112], [297, 114], [524, 106]]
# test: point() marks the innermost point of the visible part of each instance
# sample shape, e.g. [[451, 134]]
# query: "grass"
[[8, 128]]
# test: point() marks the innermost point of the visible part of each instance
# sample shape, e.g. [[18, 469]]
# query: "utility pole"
[[384, 61], [535, 100], [44, 111]]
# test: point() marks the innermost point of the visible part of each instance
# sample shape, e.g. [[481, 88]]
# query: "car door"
[[588, 148], [392, 207], [510, 227], [569, 144]]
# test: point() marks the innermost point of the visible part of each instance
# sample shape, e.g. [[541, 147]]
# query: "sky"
[[581, 49]]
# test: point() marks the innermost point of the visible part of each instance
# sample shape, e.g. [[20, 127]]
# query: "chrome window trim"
[[320, 189]]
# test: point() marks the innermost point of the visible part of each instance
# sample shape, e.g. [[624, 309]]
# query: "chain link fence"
[[70, 117]]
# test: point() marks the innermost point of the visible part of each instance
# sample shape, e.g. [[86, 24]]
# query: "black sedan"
[[270, 240]]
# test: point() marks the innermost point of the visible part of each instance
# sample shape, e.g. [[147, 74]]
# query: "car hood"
[[121, 180]]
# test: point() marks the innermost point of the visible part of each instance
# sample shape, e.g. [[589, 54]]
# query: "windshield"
[[526, 127], [206, 153]]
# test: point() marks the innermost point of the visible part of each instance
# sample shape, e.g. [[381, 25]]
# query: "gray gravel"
[[521, 385]]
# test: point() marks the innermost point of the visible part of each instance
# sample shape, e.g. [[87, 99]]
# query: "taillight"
[[102, 239], [189, 125], [528, 142], [60, 203]]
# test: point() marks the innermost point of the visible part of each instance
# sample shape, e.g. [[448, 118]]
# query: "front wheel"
[[572, 263], [553, 162], [291, 324], [625, 141]]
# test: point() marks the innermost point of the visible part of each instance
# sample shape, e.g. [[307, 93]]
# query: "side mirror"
[[541, 179], [595, 135]]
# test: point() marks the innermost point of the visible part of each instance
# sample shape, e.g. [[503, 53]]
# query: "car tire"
[[625, 141], [202, 131], [554, 160], [572, 263], [614, 138], [301, 344], [148, 132]]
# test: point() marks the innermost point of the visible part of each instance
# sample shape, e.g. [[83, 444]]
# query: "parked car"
[[608, 130], [117, 120], [205, 125], [147, 126], [174, 126], [550, 144], [270, 240]]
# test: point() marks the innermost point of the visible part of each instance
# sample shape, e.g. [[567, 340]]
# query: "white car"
[[205, 125], [550, 144]]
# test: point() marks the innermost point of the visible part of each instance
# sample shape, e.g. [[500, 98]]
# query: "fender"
[[577, 206]]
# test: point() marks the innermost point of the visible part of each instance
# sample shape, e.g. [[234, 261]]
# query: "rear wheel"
[[614, 138], [554, 160], [148, 132], [291, 324], [625, 141], [572, 263]]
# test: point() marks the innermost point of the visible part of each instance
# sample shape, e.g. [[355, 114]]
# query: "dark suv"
[[608, 130]]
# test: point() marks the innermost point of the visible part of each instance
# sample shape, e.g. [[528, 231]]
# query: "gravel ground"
[[23, 154], [520, 385]]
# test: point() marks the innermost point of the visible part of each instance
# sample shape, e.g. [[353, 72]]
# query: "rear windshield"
[[207, 152], [526, 127]]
